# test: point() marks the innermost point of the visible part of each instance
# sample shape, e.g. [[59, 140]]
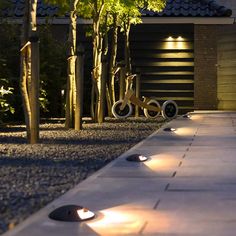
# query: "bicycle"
[[151, 107]]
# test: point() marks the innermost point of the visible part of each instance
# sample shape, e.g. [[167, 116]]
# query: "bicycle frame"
[[130, 97]]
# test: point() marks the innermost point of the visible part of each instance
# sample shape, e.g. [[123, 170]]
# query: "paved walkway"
[[188, 188]]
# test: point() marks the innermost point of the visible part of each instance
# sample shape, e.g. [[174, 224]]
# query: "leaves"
[[5, 106]]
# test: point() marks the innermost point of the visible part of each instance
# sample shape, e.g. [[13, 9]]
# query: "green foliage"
[[43, 100], [52, 71], [9, 71], [5, 95]]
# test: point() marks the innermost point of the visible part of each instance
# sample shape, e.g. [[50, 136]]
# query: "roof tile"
[[191, 8], [180, 8]]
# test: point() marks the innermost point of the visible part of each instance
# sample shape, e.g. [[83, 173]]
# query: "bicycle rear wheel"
[[169, 109]]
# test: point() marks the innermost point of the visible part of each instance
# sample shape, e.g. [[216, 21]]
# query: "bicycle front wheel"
[[121, 114]]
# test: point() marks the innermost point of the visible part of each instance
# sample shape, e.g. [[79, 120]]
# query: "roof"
[[174, 8], [17, 10], [191, 8]]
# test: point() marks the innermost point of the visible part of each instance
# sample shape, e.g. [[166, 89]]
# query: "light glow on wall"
[[170, 38], [180, 38], [175, 43]]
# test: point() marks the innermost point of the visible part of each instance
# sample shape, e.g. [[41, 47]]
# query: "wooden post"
[[79, 82], [101, 109], [137, 92], [122, 80]]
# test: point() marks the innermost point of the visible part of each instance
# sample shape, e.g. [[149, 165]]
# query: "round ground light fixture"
[[137, 158], [186, 116], [71, 213], [169, 129]]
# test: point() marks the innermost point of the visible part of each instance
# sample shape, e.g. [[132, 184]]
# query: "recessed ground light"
[[169, 129], [186, 116], [71, 213], [137, 158]]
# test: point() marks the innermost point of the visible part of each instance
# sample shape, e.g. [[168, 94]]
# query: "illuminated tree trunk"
[[97, 85], [128, 66], [71, 91], [24, 70], [112, 63], [29, 81]]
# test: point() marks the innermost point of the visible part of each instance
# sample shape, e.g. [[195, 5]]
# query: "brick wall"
[[205, 70]]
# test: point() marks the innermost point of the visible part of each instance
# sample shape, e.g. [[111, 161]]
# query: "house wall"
[[164, 55], [205, 67], [226, 85]]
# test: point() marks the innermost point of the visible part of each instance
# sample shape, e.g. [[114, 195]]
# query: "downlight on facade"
[[71, 213], [137, 158]]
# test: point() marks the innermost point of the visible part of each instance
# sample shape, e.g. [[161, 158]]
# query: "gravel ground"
[[33, 175]]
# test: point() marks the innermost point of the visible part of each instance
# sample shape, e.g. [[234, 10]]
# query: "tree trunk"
[[24, 70], [29, 81], [112, 63], [34, 91], [96, 97], [33, 62], [101, 107], [122, 85], [108, 99], [24, 92], [79, 87], [128, 66], [70, 91], [137, 93]]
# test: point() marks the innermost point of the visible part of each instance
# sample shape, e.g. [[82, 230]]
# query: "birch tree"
[[71, 81], [29, 77], [97, 11], [72, 102]]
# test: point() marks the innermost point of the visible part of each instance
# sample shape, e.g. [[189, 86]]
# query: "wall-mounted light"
[[175, 42], [169, 129], [71, 213], [180, 38], [170, 38], [137, 158]]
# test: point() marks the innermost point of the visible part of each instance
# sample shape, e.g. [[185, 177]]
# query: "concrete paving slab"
[[206, 171], [141, 193], [202, 185], [153, 149], [188, 187]]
